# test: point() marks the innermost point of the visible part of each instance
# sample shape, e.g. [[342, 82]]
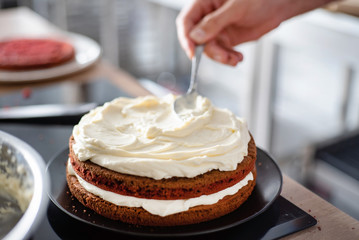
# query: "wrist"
[[297, 7]]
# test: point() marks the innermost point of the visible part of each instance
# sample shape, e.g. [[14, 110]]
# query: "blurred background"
[[297, 87]]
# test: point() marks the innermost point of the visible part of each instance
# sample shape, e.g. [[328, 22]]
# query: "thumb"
[[215, 22]]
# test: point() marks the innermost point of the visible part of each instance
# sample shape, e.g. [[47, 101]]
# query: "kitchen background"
[[298, 86]]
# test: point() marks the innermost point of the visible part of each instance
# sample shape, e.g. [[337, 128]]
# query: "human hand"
[[223, 24]]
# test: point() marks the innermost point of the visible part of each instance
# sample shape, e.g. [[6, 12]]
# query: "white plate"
[[87, 52]]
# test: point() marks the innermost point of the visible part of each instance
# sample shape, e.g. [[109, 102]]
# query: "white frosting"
[[161, 207], [145, 137]]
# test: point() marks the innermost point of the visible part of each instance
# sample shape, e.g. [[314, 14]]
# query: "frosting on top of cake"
[[144, 137]]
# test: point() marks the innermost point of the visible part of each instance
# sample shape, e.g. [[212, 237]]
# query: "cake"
[[137, 161], [24, 54]]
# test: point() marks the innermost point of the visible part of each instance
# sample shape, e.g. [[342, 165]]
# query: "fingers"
[[209, 19], [214, 22], [188, 17], [222, 54]]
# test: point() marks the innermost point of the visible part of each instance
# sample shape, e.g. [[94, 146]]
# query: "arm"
[[223, 24]]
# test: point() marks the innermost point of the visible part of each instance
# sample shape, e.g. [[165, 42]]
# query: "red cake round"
[[18, 54]]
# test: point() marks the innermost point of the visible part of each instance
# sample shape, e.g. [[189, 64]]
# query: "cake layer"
[[160, 207], [137, 215], [20, 54], [171, 188]]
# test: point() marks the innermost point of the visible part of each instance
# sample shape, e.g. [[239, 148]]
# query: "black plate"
[[267, 189]]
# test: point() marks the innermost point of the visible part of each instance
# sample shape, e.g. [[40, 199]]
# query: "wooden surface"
[[332, 223]]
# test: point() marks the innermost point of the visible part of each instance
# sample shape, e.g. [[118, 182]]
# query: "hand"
[[223, 24]]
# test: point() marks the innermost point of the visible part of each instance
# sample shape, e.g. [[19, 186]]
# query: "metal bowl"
[[23, 201]]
